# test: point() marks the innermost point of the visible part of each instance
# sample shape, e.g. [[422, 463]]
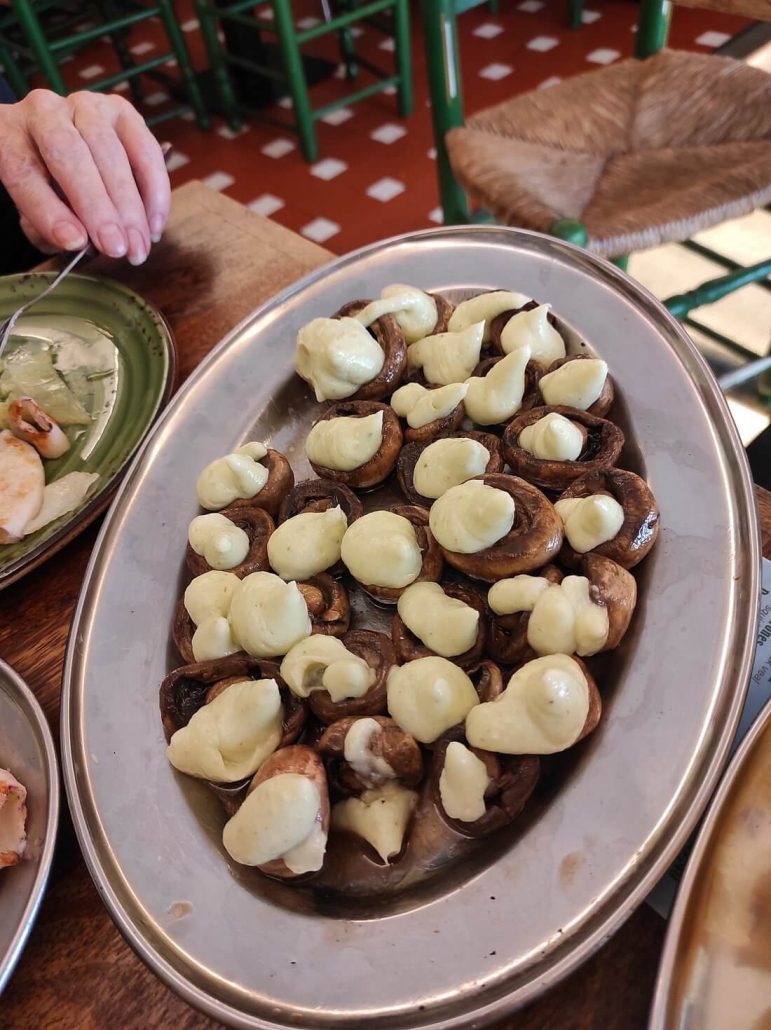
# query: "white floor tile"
[[278, 148], [320, 230], [552, 81], [156, 99], [328, 168], [589, 17], [387, 44], [308, 23], [191, 25], [543, 43], [388, 133], [603, 56], [531, 6], [495, 72], [488, 30], [218, 180], [176, 159], [286, 102], [437, 215], [142, 48], [712, 39], [266, 205], [227, 133], [431, 153], [93, 71], [385, 189], [342, 114]]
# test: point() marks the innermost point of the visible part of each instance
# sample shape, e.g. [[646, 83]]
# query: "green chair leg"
[[173, 31], [621, 262], [110, 12], [575, 13], [33, 31], [494, 6], [348, 53], [403, 56], [208, 19], [293, 65], [12, 72], [570, 230]]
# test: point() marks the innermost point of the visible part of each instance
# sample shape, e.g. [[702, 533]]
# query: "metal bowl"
[[27, 749], [494, 932], [716, 966]]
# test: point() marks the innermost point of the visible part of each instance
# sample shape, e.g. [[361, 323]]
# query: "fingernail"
[[137, 248], [68, 236], [156, 228], [112, 241]]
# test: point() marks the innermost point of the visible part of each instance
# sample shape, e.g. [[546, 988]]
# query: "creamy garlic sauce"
[[267, 615], [209, 594], [381, 549], [447, 463], [552, 438], [307, 544], [485, 307], [229, 738], [371, 769], [576, 384], [428, 696], [279, 817], [590, 521], [471, 517], [447, 357], [324, 663], [543, 710], [336, 356], [380, 817], [237, 476], [220, 542], [214, 638], [444, 624], [532, 329], [565, 620], [516, 594], [345, 443], [463, 783], [418, 318], [420, 405], [497, 396]]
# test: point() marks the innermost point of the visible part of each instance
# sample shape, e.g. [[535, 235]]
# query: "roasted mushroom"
[[430, 412], [260, 833], [496, 526], [577, 381], [378, 652], [390, 338], [507, 634], [363, 459], [440, 464], [552, 447], [258, 526], [252, 476], [619, 518], [440, 619], [484, 791], [189, 687], [582, 614], [533, 325], [386, 551], [328, 605], [319, 495], [500, 387], [366, 751], [548, 705]]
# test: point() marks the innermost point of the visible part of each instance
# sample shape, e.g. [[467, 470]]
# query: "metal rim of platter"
[[700, 612]]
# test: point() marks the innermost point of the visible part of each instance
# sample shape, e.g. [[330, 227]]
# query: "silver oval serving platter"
[[27, 749], [716, 967], [471, 944]]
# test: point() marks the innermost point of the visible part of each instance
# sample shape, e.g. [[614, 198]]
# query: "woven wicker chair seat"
[[642, 152]]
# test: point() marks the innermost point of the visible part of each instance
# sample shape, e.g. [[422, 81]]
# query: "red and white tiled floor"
[[376, 175]]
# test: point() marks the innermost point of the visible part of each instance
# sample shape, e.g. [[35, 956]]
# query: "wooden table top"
[[216, 263]]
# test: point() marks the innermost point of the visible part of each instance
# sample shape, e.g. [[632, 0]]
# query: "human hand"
[[109, 169]]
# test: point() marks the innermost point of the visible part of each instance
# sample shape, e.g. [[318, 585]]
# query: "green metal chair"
[[635, 154], [282, 27], [29, 42]]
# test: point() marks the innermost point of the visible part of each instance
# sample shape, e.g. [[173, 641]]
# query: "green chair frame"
[[290, 41], [440, 32], [43, 53]]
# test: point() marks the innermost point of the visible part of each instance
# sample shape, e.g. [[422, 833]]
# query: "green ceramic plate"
[[117, 353]]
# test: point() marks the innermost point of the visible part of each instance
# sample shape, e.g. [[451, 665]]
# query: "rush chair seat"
[[640, 152]]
